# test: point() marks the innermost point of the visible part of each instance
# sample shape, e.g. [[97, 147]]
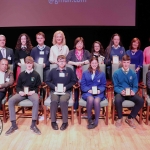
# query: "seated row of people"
[[122, 78]]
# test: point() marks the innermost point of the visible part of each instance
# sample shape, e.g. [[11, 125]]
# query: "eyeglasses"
[[61, 61]]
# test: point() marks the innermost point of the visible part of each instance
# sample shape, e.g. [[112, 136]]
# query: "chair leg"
[[113, 113], [140, 117], [79, 118], [45, 115], [106, 122], [4, 113], [147, 115], [72, 116], [23, 110]]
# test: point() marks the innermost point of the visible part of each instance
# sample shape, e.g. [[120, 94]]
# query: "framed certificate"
[[94, 89], [22, 61], [115, 59], [41, 60], [26, 90], [128, 91], [60, 87]]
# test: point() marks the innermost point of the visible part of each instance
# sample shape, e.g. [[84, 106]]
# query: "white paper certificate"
[[26, 90], [22, 61], [115, 59], [128, 93], [94, 89], [41, 60], [60, 87]]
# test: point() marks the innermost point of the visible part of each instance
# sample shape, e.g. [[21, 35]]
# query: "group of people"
[[89, 80]]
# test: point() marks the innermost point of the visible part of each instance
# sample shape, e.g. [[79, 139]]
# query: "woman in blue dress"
[[93, 78], [136, 56]]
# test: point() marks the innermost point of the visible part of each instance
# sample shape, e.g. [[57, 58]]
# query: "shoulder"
[[147, 48], [118, 71], [86, 72], [140, 51], [86, 51], [65, 47], [34, 49], [9, 49], [36, 73], [72, 51], [132, 72]]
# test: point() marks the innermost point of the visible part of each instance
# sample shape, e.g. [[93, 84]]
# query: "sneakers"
[[130, 122], [118, 123], [11, 130]]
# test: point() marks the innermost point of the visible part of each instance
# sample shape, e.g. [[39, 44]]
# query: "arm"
[[102, 85], [144, 56], [148, 80], [17, 57], [38, 83], [19, 84], [10, 82], [47, 62], [135, 83], [51, 56], [117, 88], [141, 60], [32, 54], [49, 80], [83, 83]]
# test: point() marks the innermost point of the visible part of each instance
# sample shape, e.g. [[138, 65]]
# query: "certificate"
[[22, 61], [128, 91], [115, 59], [26, 90], [41, 60], [94, 89], [60, 87]]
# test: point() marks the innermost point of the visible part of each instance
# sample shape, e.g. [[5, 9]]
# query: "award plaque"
[[94, 89], [60, 87], [128, 91], [26, 90], [22, 61], [41, 60], [115, 59]]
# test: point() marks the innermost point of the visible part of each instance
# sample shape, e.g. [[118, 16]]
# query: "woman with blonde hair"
[[59, 46]]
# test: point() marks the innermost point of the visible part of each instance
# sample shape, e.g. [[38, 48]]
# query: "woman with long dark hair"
[[93, 84], [98, 51], [115, 48], [23, 49]]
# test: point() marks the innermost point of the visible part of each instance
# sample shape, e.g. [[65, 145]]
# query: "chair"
[[9, 92], [103, 104], [47, 100], [26, 102], [143, 92], [126, 103]]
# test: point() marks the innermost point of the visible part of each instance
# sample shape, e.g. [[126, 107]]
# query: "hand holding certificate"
[[128, 91], [22, 61], [41, 60], [26, 90], [94, 90]]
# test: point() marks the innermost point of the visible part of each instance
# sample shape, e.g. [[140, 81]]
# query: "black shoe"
[[90, 121], [54, 125], [91, 126], [64, 126], [35, 130], [11, 130]]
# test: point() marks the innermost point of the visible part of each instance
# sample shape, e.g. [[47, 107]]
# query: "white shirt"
[[3, 51], [126, 71], [29, 71], [2, 76], [41, 47], [115, 46]]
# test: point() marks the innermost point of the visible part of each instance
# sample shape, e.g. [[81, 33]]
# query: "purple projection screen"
[[22, 13]]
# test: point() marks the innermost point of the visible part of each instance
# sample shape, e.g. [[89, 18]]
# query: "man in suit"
[[27, 87], [6, 79], [6, 52]]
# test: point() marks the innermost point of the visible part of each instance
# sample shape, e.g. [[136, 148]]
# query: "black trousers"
[[2, 95], [136, 99]]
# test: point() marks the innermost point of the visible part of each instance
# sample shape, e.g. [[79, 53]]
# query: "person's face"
[[116, 40], [23, 40], [96, 47], [94, 64], [3, 65], [125, 64], [40, 39], [59, 38], [79, 45], [29, 66], [135, 45], [2, 41], [61, 63]]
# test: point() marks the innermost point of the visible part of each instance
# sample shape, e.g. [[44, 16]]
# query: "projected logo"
[[66, 1], [1, 126], [51, 1]]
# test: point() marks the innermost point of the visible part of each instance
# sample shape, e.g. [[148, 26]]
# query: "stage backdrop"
[[22, 13]]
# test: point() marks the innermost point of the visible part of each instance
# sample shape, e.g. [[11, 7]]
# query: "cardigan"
[[146, 55]]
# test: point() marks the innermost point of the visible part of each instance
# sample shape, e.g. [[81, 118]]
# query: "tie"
[[3, 53]]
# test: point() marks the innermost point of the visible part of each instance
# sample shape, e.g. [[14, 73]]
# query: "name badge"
[[7, 79], [61, 74], [41, 52], [9, 58]]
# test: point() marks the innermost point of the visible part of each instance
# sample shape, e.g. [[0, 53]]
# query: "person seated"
[[6, 52], [27, 87], [40, 53], [60, 80], [93, 84], [125, 87], [6, 79]]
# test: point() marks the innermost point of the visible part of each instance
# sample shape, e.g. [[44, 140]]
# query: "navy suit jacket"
[[9, 53]]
